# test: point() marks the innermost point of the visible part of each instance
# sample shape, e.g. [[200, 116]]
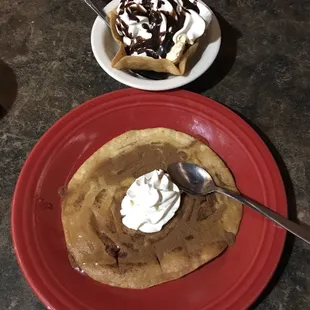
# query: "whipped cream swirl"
[[150, 202], [152, 27]]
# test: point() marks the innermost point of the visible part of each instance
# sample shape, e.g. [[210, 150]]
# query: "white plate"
[[104, 49]]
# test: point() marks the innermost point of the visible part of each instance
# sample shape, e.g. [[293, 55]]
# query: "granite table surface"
[[262, 72]]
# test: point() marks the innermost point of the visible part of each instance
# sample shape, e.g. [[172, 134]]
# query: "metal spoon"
[[195, 180], [138, 73]]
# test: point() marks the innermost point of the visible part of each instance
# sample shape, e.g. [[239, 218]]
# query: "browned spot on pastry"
[[122, 254], [183, 155], [207, 207], [100, 198], [230, 237], [190, 237], [74, 264], [78, 202], [111, 248], [128, 245], [177, 249], [62, 191]]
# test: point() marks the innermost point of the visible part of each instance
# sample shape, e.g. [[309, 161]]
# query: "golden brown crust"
[[112, 254], [122, 61]]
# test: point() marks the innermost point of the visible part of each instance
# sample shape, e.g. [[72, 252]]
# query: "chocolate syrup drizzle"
[[155, 47]]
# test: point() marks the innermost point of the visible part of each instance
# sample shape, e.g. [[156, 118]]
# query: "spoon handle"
[[296, 229], [95, 7]]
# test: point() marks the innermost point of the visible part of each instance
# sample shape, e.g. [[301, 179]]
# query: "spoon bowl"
[[191, 178]]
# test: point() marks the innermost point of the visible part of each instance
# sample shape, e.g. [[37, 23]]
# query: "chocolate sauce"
[[131, 15], [190, 6], [161, 42], [160, 3], [123, 27], [147, 4]]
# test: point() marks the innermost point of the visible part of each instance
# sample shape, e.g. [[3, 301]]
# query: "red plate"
[[231, 281]]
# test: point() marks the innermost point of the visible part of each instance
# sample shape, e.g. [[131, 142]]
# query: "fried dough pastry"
[[109, 252]]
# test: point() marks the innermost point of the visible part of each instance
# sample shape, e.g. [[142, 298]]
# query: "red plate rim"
[[203, 105]]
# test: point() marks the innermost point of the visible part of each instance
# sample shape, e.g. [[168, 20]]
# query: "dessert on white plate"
[[158, 35], [105, 48]]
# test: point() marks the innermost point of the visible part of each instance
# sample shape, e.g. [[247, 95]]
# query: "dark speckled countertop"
[[263, 73]]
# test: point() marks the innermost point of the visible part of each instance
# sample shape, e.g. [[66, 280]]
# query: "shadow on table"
[[224, 60], [8, 88], [292, 214]]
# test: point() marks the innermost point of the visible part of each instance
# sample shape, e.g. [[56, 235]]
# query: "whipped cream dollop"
[[150, 202], [153, 27]]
